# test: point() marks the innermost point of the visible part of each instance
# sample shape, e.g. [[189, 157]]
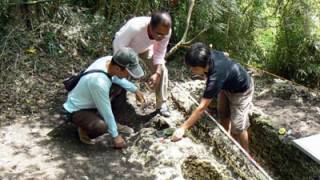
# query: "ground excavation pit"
[[35, 146], [278, 104]]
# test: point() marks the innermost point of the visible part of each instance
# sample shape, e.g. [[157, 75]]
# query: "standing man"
[[89, 103], [149, 37], [226, 80]]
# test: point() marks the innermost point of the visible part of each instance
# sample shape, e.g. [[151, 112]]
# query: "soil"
[[295, 108], [285, 105], [41, 146], [37, 144]]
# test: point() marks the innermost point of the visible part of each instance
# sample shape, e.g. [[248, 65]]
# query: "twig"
[[183, 42], [30, 2], [15, 61], [195, 37], [5, 42]]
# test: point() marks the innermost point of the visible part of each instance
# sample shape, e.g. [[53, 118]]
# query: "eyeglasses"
[[159, 35]]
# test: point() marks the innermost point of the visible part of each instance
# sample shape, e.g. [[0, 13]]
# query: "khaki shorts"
[[236, 107]]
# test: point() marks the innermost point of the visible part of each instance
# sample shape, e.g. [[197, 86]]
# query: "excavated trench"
[[192, 157], [278, 104], [33, 146]]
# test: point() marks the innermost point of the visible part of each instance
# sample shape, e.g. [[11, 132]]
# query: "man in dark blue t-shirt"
[[230, 83]]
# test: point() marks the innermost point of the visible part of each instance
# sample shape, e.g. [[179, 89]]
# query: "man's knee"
[[97, 129]]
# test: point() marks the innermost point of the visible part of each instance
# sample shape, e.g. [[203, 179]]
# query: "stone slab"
[[310, 145]]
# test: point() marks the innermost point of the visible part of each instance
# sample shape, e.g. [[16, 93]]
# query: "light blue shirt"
[[92, 91]]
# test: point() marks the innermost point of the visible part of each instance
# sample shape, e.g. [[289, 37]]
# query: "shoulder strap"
[[95, 71]]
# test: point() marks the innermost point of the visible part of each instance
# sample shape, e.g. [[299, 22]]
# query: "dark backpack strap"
[[95, 71]]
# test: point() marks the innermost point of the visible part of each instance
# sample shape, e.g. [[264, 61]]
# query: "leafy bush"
[[296, 53]]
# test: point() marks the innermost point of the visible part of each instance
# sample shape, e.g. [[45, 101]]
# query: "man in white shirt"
[[149, 37]]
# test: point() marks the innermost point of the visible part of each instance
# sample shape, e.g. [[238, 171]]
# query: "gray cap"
[[128, 58]]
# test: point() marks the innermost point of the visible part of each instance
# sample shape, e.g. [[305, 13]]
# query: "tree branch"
[[184, 37], [196, 36], [30, 2]]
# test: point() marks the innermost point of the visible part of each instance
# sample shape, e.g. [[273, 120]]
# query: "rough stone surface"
[[35, 146], [195, 168], [278, 104], [167, 160], [221, 145]]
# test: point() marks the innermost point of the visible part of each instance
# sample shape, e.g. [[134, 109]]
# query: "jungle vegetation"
[[279, 36]]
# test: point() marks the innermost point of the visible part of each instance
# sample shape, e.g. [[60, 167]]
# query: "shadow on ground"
[[41, 146]]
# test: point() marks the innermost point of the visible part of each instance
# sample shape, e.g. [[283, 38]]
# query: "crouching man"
[[89, 102], [230, 83]]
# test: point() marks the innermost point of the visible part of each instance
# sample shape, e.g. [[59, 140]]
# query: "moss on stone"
[[279, 154], [209, 133]]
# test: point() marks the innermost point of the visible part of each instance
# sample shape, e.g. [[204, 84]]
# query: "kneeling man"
[[89, 102]]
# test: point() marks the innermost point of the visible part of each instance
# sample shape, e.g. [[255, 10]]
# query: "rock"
[[83, 178]]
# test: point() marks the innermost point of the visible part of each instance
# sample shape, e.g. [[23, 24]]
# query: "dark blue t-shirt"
[[225, 74]]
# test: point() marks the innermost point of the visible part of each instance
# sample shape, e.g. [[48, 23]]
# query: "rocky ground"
[[34, 142], [40, 146], [289, 106], [279, 104]]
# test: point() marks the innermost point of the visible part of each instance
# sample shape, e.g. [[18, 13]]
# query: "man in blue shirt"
[[230, 83], [91, 94]]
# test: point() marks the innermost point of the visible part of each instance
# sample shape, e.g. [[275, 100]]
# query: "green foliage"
[[280, 35], [231, 26], [4, 4], [51, 43], [296, 55]]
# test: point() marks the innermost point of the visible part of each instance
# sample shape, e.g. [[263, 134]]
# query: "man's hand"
[[178, 134], [140, 97], [119, 142], [154, 80]]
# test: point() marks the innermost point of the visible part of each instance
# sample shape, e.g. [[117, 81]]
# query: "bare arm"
[[196, 114], [155, 78]]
